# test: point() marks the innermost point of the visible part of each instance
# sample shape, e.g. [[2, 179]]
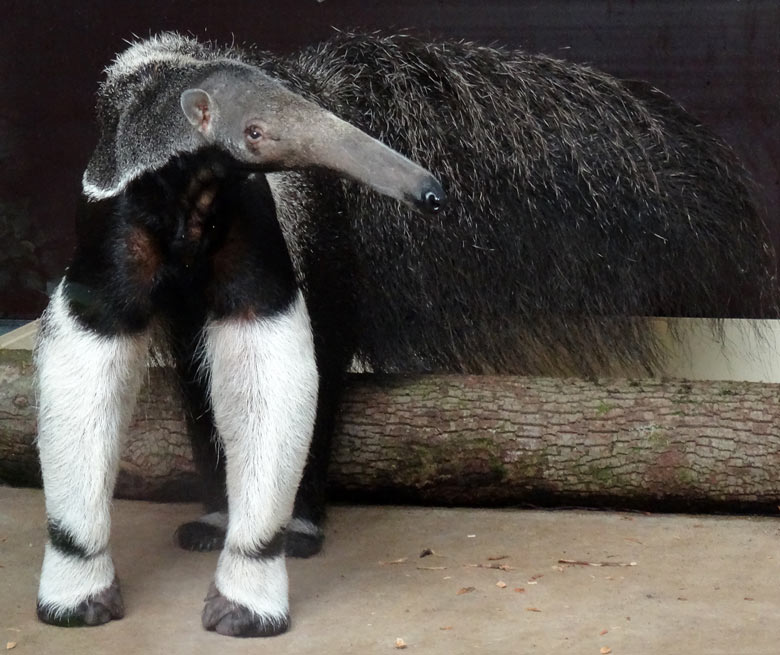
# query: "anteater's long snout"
[[348, 151]]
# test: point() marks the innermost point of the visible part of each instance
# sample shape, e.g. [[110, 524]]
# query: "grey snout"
[[329, 142], [431, 199]]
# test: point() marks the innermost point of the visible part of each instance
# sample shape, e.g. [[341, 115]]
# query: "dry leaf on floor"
[[446, 627], [532, 609], [496, 567], [519, 590], [400, 643], [431, 568], [603, 632], [9, 645], [465, 590], [605, 650], [501, 584], [497, 557], [430, 552], [579, 562], [394, 561]]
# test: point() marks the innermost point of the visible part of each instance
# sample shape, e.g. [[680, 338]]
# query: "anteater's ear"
[[199, 108]]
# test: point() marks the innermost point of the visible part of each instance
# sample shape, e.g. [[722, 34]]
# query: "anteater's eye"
[[253, 133]]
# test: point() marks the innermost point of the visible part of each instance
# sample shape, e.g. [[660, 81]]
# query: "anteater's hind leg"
[[305, 532], [208, 532]]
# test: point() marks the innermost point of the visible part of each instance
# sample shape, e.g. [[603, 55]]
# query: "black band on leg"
[[267, 550], [63, 540]]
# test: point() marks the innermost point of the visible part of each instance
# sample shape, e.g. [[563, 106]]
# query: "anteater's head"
[[262, 123]]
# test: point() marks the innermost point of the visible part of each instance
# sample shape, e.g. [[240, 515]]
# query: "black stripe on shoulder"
[[265, 550], [63, 540]]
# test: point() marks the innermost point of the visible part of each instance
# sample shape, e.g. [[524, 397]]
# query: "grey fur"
[[577, 202]]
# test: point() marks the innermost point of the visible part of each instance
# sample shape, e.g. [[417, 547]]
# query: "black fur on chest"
[[198, 238]]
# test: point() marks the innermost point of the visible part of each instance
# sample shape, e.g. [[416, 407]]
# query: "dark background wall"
[[719, 58]]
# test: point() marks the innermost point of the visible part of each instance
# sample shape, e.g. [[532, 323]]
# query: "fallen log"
[[479, 440]]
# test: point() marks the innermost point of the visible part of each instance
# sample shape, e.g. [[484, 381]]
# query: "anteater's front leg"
[[87, 386], [264, 395]]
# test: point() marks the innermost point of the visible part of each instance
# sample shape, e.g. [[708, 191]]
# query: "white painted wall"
[[743, 350], [21, 338]]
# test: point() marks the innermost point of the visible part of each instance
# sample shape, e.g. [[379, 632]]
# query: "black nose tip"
[[432, 202], [433, 198]]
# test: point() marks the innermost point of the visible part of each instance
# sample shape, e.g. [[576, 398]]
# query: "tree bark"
[[485, 440]]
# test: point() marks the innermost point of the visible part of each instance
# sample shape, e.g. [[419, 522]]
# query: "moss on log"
[[479, 440]]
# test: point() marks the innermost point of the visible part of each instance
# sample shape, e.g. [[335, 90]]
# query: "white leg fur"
[[258, 584], [264, 396], [67, 580], [87, 386], [217, 519], [302, 526]]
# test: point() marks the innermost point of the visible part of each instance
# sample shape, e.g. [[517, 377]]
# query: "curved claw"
[[98, 609], [231, 619]]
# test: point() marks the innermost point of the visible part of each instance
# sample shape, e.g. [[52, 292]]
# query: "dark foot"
[[233, 620], [303, 544], [98, 609], [200, 536]]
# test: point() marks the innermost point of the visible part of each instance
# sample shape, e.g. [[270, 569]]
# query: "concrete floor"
[[704, 585]]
